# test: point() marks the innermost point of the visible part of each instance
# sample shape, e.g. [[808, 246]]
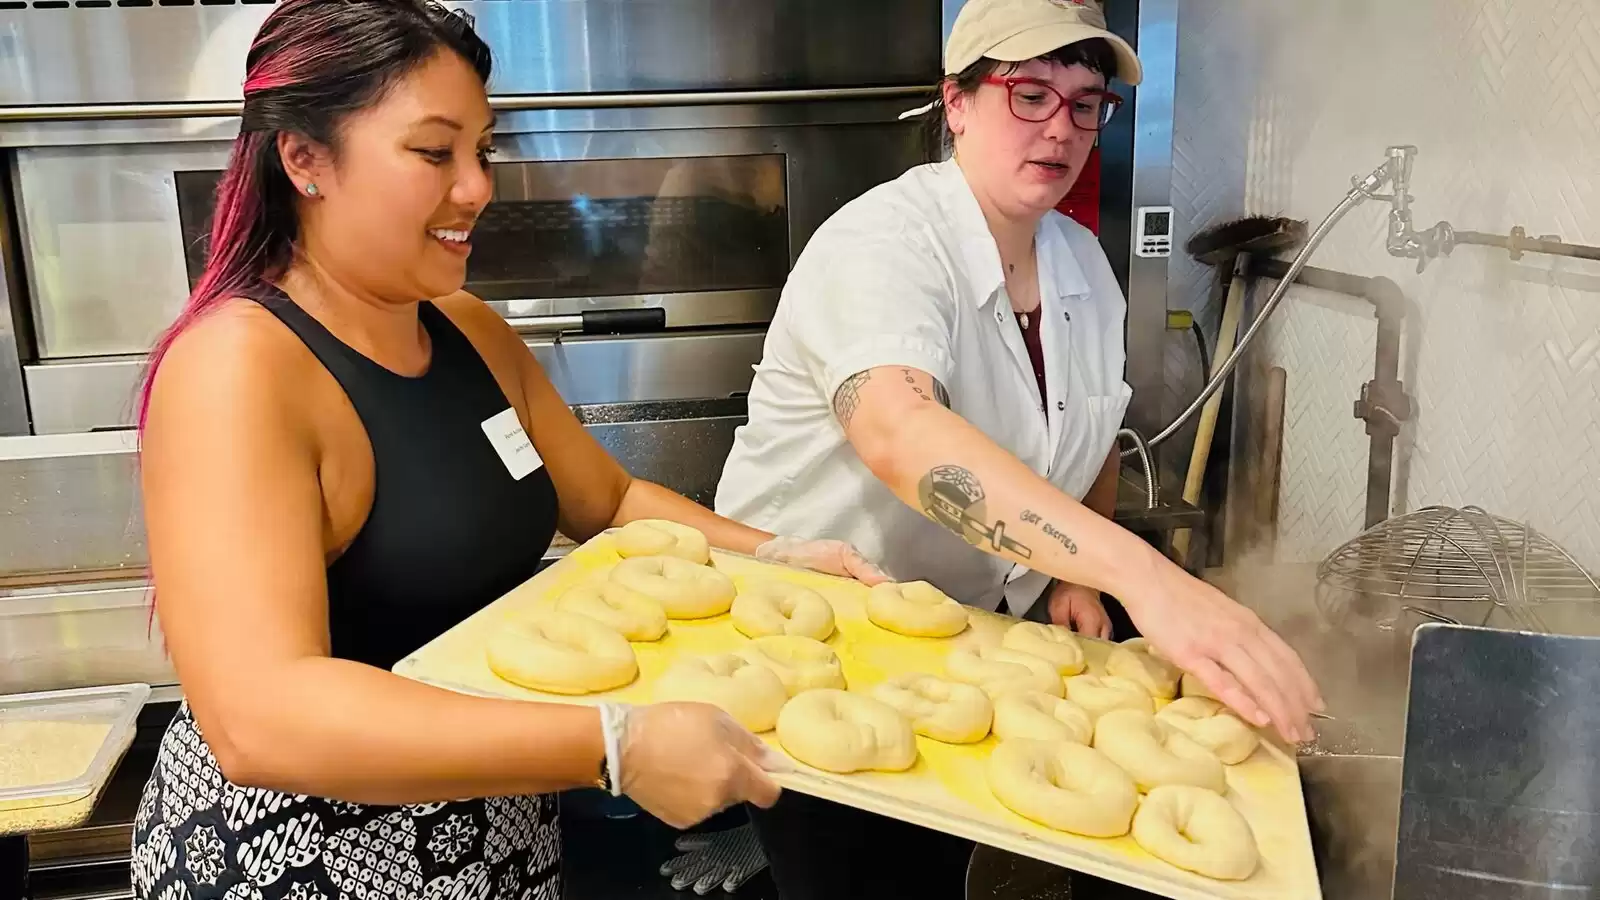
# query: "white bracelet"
[[613, 727]]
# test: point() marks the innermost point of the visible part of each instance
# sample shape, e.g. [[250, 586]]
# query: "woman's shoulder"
[[468, 311], [238, 338], [237, 354], [487, 330]]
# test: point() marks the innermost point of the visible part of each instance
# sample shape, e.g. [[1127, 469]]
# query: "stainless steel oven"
[[687, 217], [661, 164]]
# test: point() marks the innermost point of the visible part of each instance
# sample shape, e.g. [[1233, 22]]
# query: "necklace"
[[1023, 318]]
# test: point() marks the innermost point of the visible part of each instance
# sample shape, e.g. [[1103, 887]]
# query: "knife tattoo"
[[953, 497]]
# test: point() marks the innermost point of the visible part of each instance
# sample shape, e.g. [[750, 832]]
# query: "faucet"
[[1404, 240]]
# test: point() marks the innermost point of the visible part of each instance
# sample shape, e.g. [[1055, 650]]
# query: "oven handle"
[[594, 321], [205, 109]]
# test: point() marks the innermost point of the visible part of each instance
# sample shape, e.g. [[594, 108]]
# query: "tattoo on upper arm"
[[939, 395], [848, 397], [953, 497]]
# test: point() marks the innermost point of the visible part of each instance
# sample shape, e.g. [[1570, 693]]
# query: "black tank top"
[[450, 529]]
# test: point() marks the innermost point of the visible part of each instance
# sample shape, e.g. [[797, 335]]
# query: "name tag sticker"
[[505, 434]]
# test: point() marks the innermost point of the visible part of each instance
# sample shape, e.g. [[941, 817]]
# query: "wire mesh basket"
[[1464, 565]]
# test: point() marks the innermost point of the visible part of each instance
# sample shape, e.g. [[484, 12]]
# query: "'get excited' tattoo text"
[[1029, 517]]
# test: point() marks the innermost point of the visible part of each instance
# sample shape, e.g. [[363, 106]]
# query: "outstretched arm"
[[936, 461]]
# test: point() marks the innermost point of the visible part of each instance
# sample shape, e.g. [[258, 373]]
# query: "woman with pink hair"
[[344, 455]]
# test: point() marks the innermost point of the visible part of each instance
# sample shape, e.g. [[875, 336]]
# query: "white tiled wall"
[[1278, 105]]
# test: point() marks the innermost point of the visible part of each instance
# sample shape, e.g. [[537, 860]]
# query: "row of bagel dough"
[[580, 645], [1077, 750], [1081, 753]]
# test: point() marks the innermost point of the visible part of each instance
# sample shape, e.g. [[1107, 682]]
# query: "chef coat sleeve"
[[863, 303]]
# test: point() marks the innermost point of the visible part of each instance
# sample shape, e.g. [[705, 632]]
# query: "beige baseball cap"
[[1020, 30]]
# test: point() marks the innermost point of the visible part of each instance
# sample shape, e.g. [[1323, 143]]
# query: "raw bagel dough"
[[1212, 726], [1155, 754], [752, 694], [1142, 645], [1065, 786], [1190, 686], [561, 653], [947, 711], [1053, 643], [1035, 715], [625, 611], [1101, 694], [916, 609], [801, 663], [998, 670], [1196, 829], [1134, 660], [659, 537], [841, 732], [684, 590], [765, 608]]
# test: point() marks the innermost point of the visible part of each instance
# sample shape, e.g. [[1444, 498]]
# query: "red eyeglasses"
[[1033, 100]]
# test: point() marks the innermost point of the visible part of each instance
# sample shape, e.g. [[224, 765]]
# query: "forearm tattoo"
[[953, 497], [1050, 531], [848, 397]]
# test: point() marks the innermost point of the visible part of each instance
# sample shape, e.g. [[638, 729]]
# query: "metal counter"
[[681, 444], [1136, 514]]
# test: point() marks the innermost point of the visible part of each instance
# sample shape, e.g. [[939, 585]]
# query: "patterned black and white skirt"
[[197, 836]]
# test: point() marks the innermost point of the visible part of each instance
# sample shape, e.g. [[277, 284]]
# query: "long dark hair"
[[312, 64], [1095, 54]]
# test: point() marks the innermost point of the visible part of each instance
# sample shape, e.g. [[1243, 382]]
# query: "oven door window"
[[597, 228], [604, 228]]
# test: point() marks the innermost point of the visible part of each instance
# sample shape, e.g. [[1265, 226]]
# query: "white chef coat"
[[909, 275]]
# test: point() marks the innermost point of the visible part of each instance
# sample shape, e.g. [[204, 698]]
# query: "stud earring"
[[311, 190]]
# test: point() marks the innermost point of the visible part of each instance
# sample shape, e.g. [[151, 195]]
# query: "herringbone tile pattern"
[[1278, 106]]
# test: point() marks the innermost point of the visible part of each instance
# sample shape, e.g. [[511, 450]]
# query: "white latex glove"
[[685, 762], [725, 859], [827, 557]]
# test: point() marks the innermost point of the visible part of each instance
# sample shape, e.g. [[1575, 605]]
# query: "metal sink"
[[1350, 775], [1353, 804]]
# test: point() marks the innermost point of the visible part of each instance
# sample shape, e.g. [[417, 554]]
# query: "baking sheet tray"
[[946, 789]]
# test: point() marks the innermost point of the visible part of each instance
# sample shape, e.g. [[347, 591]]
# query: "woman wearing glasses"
[[942, 386]]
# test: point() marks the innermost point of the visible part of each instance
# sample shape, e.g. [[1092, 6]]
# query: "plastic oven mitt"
[[717, 858]]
